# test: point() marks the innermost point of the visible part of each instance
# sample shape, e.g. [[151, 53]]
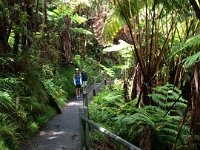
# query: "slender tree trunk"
[[44, 17], [134, 84], [16, 43], [195, 123], [195, 7], [67, 40], [5, 29]]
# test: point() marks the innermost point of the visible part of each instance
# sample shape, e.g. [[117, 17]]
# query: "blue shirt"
[[77, 79], [84, 76]]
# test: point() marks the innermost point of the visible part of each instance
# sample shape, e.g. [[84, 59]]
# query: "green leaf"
[[81, 31], [191, 60], [78, 19]]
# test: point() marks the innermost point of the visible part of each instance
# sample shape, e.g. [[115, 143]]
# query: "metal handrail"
[[85, 122], [99, 84], [111, 135]]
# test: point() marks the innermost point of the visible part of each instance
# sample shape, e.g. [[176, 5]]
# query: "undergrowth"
[[24, 102], [153, 126]]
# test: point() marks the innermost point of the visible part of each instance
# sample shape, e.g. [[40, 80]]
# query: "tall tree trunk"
[[44, 18], [16, 43], [195, 7], [195, 123], [5, 30], [134, 83], [65, 35]]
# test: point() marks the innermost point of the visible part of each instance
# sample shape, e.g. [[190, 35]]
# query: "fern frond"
[[158, 99], [167, 95], [177, 104], [168, 125], [167, 138], [193, 42], [119, 117], [138, 118], [115, 21], [168, 131], [112, 25], [81, 31], [191, 60], [6, 101], [191, 45]]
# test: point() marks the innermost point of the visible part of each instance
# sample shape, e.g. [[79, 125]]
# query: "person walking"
[[78, 82], [84, 79]]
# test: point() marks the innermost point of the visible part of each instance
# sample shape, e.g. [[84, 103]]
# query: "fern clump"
[[168, 96], [149, 126]]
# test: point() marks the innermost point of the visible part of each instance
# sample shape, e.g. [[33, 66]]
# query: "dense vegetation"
[[36, 70], [157, 104], [150, 48]]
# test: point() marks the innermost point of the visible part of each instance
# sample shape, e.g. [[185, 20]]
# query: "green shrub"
[[44, 118], [64, 79], [2, 145], [8, 131]]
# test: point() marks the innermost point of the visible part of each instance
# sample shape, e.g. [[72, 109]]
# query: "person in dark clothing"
[[84, 78], [78, 82]]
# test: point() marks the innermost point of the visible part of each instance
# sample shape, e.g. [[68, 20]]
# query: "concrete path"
[[63, 131]]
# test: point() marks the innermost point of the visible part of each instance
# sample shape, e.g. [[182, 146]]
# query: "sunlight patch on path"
[[74, 103]]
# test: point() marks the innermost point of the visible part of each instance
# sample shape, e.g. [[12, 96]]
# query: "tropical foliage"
[[153, 127], [149, 48]]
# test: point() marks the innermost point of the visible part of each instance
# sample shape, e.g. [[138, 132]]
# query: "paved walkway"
[[62, 132]]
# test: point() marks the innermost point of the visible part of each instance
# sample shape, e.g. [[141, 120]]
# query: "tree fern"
[[139, 119]]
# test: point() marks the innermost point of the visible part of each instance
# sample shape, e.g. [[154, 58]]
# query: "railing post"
[[17, 103], [81, 128], [84, 129], [94, 87], [104, 76], [85, 98]]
